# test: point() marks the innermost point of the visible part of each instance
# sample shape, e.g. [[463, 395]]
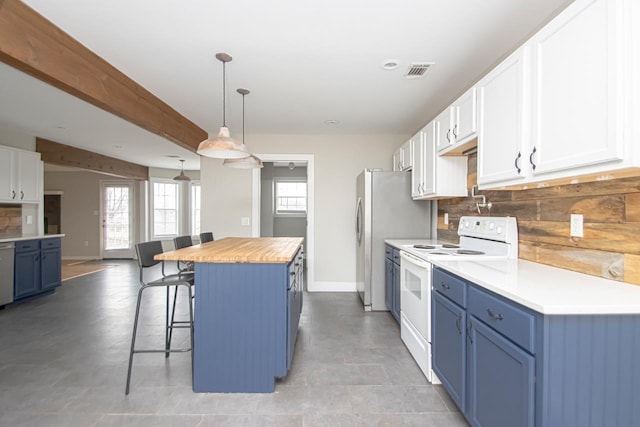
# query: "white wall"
[[16, 138], [226, 194]]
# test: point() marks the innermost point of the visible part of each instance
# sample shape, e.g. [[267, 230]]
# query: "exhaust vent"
[[418, 69]]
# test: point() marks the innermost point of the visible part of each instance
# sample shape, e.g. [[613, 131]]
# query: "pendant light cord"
[[224, 94], [243, 118]]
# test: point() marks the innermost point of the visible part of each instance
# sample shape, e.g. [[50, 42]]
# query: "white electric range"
[[480, 238]]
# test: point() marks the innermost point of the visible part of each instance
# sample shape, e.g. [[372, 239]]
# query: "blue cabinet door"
[[51, 268], [388, 283], [448, 347], [396, 292], [27, 274], [501, 380]]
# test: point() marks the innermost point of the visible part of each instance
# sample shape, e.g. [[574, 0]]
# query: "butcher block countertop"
[[257, 250]]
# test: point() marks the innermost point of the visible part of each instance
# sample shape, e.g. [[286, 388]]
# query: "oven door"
[[415, 292]]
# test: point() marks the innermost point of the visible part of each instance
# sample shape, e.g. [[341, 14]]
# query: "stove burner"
[[439, 253], [450, 246], [469, 252], [424, 246]]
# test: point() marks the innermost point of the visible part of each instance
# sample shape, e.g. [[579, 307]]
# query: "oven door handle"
[[415, 260]]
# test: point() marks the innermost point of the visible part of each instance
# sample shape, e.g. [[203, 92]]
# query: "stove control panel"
[[503, 229]]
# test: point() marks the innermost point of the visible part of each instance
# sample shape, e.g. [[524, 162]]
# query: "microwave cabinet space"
[[504, 364]]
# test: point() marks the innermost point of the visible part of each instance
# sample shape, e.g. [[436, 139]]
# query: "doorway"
[[116, 212], [262, 212]]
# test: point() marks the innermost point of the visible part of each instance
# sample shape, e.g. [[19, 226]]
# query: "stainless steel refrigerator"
[[384, 210]]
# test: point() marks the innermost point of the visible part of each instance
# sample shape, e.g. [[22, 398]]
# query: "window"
[[195, 208], [165, 208], [290, 197]]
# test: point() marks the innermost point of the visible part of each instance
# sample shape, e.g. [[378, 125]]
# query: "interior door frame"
[[255, 205], [121, 253]]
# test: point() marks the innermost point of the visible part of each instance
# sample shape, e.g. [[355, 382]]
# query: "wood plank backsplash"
[[10, 221], [610, 247]]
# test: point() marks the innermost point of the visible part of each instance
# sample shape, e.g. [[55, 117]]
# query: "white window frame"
[[192, 219], [289, 214], [152, 209]]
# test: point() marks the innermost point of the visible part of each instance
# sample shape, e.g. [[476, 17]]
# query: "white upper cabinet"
[[403, 157], [435, 177], [503, 139], [457, 125], [559, 108], [20, 176], [577, 75]]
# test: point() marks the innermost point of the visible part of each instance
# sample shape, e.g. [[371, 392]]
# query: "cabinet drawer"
[[396, 255], [388, 252], [451, 286], [53, 242], [511, 321], [27, 245]]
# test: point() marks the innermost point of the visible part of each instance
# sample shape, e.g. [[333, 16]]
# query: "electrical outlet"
[[446, 219], [245, 220], [576, 225]]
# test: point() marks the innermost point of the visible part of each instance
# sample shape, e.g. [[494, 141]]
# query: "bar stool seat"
[[146, 252]]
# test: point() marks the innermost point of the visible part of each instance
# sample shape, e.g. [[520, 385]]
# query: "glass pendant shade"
[[251, 162], [222, 146]]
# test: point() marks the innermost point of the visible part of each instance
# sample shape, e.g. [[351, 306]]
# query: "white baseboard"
[[332, 287], [79, 258]]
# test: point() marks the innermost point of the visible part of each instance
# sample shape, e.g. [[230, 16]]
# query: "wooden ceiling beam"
[[36, 46], [65, 155]]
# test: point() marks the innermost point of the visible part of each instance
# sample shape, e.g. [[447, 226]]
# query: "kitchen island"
[[248, 298]]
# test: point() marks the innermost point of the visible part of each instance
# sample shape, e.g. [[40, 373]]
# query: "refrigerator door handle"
[[359, 221]]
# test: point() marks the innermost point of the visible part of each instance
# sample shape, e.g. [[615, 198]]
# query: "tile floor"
[[63, 362]]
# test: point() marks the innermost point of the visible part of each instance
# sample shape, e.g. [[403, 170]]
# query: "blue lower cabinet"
[[501, 380], [523, 368], [388, 283], [37, 267], [449, 355], [392, 281], [27, 274], [396, 292]]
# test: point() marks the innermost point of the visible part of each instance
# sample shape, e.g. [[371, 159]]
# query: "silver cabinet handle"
[[13, 194], [469, 335], [21, 194], [517, 162], [445, 285], [458, 324], [533, 165], [448, 138], [494, 316], [455, 135]]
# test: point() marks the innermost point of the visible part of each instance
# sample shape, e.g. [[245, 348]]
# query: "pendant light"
[[182, 176], [223, 146], [251, 162]]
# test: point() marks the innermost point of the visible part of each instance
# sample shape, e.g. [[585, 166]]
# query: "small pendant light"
[[251, 162], [182, 176], [223, 146]]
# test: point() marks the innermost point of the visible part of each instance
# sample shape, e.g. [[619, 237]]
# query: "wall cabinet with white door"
[[20, 176], [403, 156], [456, 126], [432, 176], [560, 107]]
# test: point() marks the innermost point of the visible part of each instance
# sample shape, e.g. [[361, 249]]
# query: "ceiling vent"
[[418, 69]]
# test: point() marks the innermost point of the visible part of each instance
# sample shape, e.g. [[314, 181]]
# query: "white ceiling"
[[304, 63]]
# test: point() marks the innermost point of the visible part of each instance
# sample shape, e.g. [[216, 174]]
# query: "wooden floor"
[[75, 268]]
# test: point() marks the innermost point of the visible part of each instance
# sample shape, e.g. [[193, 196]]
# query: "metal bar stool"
[[146, 252], [206, 237]]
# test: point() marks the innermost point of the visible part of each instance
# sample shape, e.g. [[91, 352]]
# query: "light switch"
[[446, 218], [29, 219], [245, 220]]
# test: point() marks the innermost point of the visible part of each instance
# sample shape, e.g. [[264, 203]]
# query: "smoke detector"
[[418, 69]]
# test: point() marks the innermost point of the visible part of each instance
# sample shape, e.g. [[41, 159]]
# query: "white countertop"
[[18, 238], [546, 289]]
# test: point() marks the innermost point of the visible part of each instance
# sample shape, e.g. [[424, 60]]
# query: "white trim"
[[255, 206], [81, 258], [333, 287], [118, 253], [53, 192], [179, 208]]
